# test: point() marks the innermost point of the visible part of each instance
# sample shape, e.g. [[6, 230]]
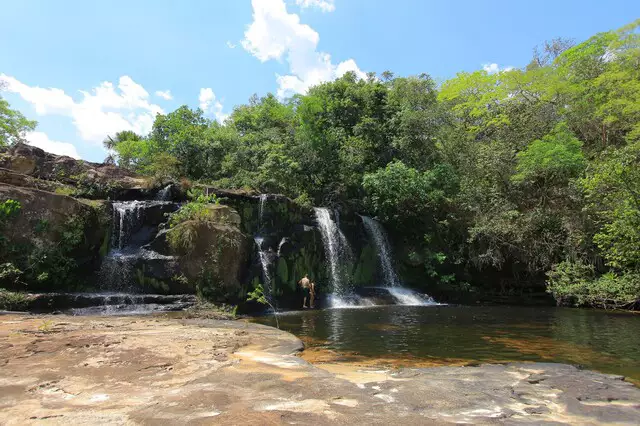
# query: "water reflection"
[[600, 340], [309, 324]]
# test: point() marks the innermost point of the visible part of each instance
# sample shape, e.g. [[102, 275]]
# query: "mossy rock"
[[216, 258], [366, 267]]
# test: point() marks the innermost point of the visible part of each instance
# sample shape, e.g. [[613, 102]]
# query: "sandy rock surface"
[[150, 370]]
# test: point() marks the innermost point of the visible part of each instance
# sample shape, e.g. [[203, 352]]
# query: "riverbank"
[[140, 370]]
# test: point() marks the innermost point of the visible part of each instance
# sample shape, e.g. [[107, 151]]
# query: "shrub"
[[575, 283], [9, 275], [8, 210], [303, 200], [13, 301], [196, 209]]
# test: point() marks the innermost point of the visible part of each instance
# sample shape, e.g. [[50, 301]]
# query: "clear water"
[[452, 335]]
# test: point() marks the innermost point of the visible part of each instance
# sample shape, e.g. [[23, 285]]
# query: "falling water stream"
[[339, 257], [402, 296], [266, 256], [120, 291], [164, 194], [383, 248]]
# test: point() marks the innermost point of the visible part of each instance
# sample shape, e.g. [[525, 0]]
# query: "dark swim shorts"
[[306, 291]]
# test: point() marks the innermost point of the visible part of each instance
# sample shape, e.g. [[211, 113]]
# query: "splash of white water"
[[337, 251]]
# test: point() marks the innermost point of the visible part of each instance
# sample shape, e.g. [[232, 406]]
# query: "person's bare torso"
[[305, 283]]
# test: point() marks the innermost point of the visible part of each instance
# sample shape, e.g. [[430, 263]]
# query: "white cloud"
[[41, 140], [324, 5], [276, 33], [494, 68], [210, 105], [164, 94], [102, 111], [231, 45], [491, 68]]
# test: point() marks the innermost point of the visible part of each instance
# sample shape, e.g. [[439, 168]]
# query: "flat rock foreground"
[[151, 370]]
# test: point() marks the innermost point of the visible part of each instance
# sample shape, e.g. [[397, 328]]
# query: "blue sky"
[[86, 69]]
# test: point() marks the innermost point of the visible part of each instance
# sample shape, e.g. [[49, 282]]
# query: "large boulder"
[[52, 230], [212, 253]]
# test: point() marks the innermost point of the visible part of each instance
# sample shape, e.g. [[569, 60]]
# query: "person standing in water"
[[306, 290], [312, 295]]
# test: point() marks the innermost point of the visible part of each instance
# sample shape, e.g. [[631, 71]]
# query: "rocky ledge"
[[146, 370]]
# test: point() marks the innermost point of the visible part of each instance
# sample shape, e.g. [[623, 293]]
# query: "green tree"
[[612, 188], [554, 159], [13, 125]]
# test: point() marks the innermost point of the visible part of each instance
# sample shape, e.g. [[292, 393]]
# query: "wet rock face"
[[292, 245], [289, 232], [69, 302]]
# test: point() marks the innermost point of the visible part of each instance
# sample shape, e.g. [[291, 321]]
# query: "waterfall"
[[383, 248], [282, 242], [127, 216], [263, 201], [337, 250], [265, 263], [401, 295], [117, 272], [164, 194], [265, 256]]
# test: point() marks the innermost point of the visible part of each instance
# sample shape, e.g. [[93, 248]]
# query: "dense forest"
[[510, 179]]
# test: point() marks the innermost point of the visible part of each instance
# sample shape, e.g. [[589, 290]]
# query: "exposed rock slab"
[[152, 370], [99, 180]]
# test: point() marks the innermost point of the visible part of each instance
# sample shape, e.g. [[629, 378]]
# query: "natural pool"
[[444, 335]]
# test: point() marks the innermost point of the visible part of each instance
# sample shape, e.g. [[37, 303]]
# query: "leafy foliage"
[[195, 212], [13, 125], [9, 209], [555, 158], [257, 295], [576, 283]]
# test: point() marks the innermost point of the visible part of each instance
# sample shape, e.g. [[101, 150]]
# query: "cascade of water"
[[265, 256], [383, 248], [407, 297], [337, 250], [127, 215], [117, 270], [282, 242], [263, 201], [402, 296], [164, 194], [264, 262]]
